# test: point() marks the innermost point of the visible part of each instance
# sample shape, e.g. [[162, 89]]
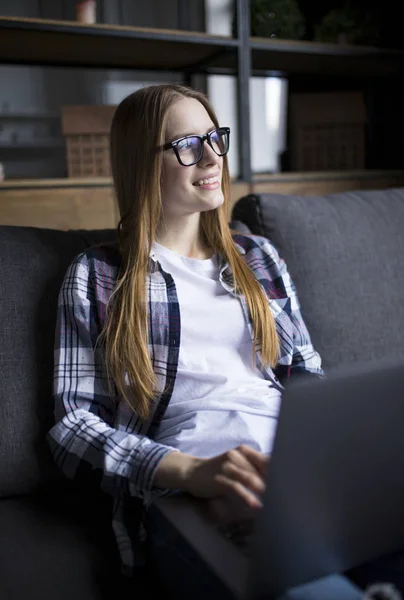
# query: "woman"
[[172, 347]]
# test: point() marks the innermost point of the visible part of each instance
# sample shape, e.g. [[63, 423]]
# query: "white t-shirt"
[[220, 399]]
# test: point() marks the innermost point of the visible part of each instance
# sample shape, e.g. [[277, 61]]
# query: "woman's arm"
[[83, 441]]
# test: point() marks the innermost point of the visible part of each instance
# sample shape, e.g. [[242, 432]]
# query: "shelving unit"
[[90, 204], [31, 116], [315, 58], [32, 145], [25, 41], [67, 43]]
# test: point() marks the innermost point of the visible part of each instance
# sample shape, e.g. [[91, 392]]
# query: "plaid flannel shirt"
[[96, 436]]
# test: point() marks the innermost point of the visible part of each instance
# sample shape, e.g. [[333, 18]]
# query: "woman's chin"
[[212, 200]]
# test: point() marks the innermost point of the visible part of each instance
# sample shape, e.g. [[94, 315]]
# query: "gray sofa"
[[345, 254]]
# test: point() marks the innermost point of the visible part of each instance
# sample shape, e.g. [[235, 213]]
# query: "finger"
[[239, 458], [258, 459], [230, 486], [249, 479]]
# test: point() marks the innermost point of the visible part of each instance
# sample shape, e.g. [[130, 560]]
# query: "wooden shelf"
[[334, 59], [33, 145], [284, 177], [90, 203], [295, 176], [68, 43], [28, 116], [64, 182]]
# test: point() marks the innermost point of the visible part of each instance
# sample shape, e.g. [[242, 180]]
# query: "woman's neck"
[[187, 243], [189, 252]]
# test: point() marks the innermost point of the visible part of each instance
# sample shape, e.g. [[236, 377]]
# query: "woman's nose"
[[209, 156]]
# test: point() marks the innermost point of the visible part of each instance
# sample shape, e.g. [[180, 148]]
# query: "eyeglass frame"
[[206, 137]]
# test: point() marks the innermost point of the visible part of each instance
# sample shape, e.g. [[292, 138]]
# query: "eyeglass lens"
[[190, 148]]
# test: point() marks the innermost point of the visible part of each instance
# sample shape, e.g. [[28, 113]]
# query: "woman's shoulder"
[[255, 246], [97, 262], [104, 255]]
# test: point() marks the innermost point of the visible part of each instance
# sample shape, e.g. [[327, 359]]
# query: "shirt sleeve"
[[83, 441], [306, 360]]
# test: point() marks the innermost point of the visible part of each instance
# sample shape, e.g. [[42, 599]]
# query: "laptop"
[[335, 487]]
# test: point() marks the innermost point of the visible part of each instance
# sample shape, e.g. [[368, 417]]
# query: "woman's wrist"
[[175, 471]]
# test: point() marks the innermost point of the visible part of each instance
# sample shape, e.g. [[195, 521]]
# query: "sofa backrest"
[[345, 254], [32, 265]]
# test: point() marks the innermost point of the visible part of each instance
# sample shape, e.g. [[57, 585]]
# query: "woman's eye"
[[185, 144]]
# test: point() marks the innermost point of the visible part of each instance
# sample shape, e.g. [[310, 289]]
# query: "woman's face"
[[185, 189]]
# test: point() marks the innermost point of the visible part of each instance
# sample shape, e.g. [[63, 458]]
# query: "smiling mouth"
[[209, 181]]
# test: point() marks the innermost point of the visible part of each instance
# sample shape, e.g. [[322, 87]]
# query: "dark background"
[[389, 13]]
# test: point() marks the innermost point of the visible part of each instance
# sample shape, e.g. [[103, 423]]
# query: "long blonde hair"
[[138, 129]]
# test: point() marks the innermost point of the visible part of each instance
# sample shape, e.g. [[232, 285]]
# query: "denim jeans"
[[182, 574]]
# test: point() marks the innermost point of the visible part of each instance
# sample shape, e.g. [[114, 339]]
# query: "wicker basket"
[[327, 131], [86, 129]]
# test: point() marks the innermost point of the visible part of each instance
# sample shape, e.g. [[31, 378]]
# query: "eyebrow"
[[179, 136]]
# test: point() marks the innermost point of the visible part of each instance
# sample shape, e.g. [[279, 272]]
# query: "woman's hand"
[[238, 473], [232, 482]]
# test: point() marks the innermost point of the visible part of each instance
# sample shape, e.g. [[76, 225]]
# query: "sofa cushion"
[[52, 548], [32, 265], [345, 254]]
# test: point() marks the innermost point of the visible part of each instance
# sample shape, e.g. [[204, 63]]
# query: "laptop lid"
[[335, 485]]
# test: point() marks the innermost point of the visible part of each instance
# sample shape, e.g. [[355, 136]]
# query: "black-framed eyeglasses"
[[189, 149]]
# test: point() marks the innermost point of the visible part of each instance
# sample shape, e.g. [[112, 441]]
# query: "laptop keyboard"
[[239, 534]]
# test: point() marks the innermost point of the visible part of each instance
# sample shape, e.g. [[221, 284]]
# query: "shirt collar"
[[238, 246]]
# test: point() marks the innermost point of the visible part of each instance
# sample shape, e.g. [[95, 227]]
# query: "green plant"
[[360, 27], [280, 18], [275, 18]]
